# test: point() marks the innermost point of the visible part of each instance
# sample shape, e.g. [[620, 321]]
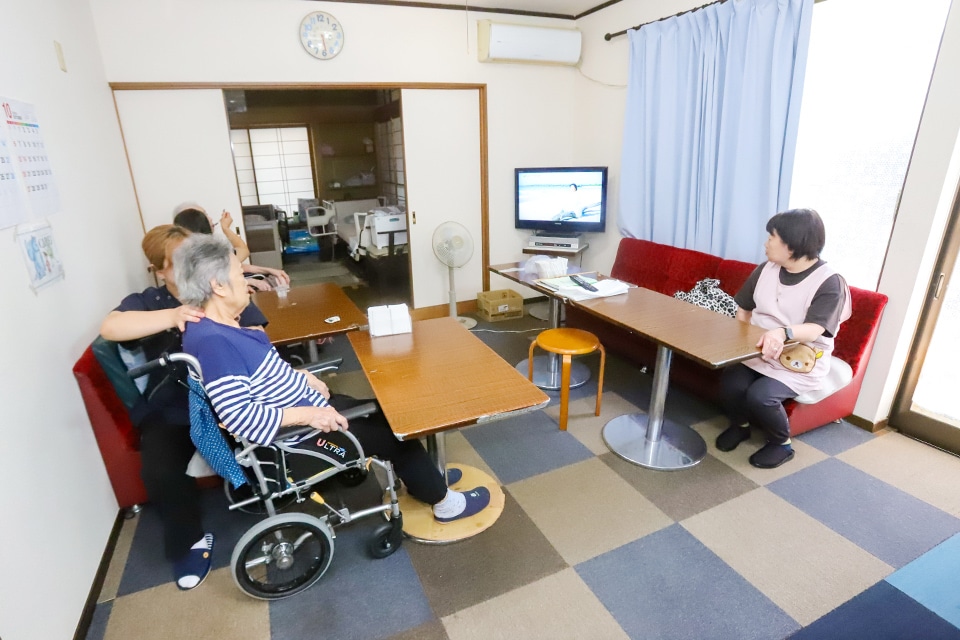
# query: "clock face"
[[321, 35]]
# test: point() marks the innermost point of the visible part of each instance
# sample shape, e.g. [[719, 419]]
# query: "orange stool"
[[568, 343]]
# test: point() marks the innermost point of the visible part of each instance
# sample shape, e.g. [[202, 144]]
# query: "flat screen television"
[[561, 200]]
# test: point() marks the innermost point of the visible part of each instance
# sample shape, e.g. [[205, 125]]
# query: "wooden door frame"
[[429, 312]]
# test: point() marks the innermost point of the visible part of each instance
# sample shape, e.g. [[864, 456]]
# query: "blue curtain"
[[713, 103]]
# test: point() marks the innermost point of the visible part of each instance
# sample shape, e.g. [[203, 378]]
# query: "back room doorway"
[[332, 148]]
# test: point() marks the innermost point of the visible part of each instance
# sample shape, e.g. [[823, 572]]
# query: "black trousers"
[[749, 396], [165, 452], [410, 460]]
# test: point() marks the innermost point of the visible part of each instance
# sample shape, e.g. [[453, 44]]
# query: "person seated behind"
[[256, 394], [796, 296], [154, 320], [192, 216]]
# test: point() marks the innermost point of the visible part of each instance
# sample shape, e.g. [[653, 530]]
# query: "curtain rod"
[[610, 36]]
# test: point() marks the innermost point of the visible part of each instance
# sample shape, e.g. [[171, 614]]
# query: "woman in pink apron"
[[798, 297]]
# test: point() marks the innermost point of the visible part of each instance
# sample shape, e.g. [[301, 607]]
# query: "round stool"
[[568, 343]]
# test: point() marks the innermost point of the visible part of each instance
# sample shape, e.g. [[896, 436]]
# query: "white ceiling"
[[554, 7]]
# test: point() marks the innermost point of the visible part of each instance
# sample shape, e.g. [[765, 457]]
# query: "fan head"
[[452, 244]]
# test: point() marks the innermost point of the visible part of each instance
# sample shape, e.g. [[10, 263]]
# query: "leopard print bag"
[[708, 294]]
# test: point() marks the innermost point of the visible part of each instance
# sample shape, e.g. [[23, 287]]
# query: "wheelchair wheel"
[[386, 539], [282, 556]]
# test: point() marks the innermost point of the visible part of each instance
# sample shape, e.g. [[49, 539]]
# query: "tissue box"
[[502, 304], [388, 320]]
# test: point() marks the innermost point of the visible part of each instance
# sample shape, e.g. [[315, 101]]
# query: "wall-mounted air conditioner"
[[497, 42]]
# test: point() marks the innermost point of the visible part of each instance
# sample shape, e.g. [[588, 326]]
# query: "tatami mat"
[[857, 537]]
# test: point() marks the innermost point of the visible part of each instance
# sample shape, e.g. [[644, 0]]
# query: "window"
[[390, 160], [273, 166], [866, 81]]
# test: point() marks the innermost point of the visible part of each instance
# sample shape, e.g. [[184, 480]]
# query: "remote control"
[[583, 283]]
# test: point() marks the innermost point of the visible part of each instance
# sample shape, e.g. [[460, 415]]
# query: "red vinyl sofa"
[[668, 269], [116, 436]]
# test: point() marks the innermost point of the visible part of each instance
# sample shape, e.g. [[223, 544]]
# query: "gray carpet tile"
[[524, 446]]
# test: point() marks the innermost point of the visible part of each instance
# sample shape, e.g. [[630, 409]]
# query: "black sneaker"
[[731, 438]]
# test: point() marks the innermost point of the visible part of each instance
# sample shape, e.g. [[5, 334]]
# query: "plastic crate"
[[502, 304], [301, 242]]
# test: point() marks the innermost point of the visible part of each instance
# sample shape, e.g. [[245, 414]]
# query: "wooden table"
[[301, 314], [711, 339], [437, 378], [546, 368]]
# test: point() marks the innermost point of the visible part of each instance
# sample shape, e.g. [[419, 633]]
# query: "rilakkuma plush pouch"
[[800, 358]]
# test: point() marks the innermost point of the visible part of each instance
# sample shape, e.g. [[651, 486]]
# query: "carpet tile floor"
[[857, 537]]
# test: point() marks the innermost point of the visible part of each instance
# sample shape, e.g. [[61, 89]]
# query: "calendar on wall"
[[27, 187]]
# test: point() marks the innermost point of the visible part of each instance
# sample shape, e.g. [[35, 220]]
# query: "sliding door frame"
[[484, 157], [903, 416]]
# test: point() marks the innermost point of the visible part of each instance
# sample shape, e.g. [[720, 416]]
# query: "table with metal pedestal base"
[[651, 440], [546, 368], [425, 387]]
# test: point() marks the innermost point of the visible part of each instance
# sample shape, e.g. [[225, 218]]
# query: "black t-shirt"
[[824, 309], [166, 390]]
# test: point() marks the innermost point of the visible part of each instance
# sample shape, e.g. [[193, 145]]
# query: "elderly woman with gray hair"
[[256, 394]]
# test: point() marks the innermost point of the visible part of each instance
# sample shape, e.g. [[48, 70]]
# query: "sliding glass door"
[[926, 407]]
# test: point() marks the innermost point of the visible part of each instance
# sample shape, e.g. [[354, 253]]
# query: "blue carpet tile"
[[876, 516], [835, 438], [933, 580], [347, 601], [686, 592], [880, 613]]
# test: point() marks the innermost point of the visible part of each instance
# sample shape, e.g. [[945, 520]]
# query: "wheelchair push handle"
[[164, 361]]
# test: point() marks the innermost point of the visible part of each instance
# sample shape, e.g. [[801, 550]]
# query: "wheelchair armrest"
[[359, 411], [330, 364]]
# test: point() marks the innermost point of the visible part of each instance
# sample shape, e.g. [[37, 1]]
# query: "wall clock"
[[321, 35]]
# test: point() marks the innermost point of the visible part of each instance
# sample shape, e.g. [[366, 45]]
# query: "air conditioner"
[[497, 42]]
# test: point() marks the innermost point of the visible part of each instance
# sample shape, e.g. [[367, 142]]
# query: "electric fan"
[[453, 246]]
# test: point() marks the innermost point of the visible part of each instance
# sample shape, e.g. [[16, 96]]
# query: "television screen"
[[562, 200]]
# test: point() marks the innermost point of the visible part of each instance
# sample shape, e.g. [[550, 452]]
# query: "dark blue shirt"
[[166, 391]]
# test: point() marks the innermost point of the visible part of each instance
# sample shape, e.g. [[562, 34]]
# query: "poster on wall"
[[40, 254], [13, 205], [26, 150]]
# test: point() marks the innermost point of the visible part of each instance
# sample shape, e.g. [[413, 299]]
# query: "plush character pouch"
[[800, 358]]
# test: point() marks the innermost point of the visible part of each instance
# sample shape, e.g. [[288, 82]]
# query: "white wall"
[[57, 508], [531, 115]]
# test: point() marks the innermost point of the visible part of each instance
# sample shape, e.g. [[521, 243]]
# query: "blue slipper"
[[193, 568], [454, 476], [477, 501]]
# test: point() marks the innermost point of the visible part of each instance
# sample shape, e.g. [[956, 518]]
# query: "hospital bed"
[[370, 228]]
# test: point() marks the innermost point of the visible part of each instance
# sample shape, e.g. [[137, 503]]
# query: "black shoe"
[[772, 455], [732, 437]]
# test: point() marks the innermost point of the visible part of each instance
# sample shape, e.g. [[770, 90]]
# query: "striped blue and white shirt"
[[248, 383]]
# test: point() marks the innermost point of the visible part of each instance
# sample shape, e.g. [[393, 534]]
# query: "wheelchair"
[[285, 553]]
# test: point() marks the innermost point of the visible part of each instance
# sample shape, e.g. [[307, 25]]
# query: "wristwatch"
[[787, 331]]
